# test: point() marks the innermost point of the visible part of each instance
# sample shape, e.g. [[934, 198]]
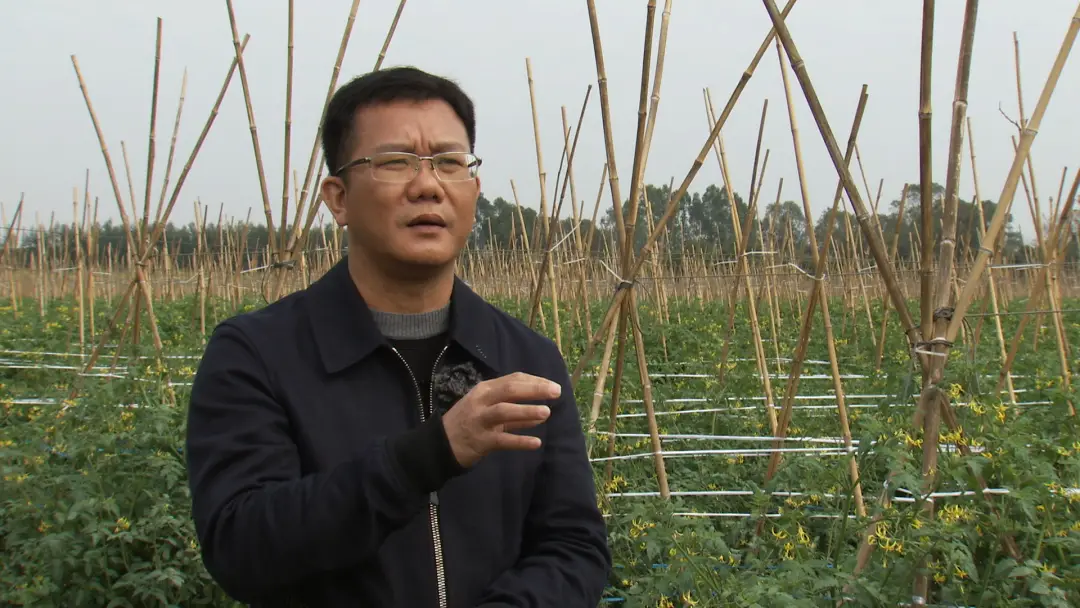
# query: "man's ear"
[[334, 195]]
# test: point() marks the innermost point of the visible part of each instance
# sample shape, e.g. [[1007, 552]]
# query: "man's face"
[[382, 216]]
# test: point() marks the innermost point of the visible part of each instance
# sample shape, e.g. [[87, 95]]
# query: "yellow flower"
[[804, 538], [955, 513], [893, 546], [789, 551], [1001, 410]]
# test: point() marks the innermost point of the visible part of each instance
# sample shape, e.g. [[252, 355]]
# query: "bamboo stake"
[[79, 295], [877, 249], [263, 191], [893, 257], [1036, 297], [545, 229], [991, 283], [160, 228], [287, 144], [1004, 201], [331, 87], [609, 148], [838, 388], [172, 149], [151, 148], [815, 298], [673, 201], [616, 388], [926, 204], [936, 400], [627, 253], [636, 177], [646, 390], [741, 233], [549, 236]]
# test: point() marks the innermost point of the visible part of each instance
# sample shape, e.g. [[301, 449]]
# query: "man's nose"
[[425, 184]]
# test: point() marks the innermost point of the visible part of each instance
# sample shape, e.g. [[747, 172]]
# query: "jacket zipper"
[[433, 499]]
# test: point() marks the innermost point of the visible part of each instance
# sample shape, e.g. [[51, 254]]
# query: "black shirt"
[[421, 355]]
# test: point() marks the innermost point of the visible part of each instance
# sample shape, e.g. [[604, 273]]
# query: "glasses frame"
[[473, 166]]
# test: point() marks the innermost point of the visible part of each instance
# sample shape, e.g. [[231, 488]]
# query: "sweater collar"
[[345, 330]]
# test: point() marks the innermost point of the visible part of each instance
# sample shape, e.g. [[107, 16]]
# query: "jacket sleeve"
[[565, 558], [262, 524]]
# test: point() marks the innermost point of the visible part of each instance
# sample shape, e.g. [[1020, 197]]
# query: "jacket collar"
[[345, 330]]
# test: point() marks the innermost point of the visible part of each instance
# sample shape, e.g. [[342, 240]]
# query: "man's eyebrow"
[[449, 146]]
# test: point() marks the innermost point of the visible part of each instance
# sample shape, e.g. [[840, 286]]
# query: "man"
[[385, 437]]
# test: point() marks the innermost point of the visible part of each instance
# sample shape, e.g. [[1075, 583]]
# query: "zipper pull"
[[433, 498]]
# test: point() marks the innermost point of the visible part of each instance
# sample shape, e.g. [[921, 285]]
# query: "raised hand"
[[482, 421]]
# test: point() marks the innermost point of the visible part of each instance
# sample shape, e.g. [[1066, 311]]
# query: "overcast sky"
[[47, 140]]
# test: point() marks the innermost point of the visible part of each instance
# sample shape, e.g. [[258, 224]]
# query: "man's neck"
[[412, 295]]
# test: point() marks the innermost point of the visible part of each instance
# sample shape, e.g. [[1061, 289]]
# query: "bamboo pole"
[[287, 143], [820, 264], [673, 202], [991, 284], [151, 148], [823, 303], [160, 227], [936, 400], [263, 191], [545, 228], [80, 297], [926, 199], [1008, 191], [877, 249]]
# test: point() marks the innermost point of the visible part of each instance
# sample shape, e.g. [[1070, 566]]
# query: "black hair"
[[392, 84]]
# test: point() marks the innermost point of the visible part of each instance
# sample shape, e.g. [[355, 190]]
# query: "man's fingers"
[[509, 441], [507, 413], [518, 425], [520, 387]]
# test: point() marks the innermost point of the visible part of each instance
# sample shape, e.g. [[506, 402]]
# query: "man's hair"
[[381, 86]]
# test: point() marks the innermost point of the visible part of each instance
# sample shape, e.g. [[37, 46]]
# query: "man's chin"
[[421, 264]]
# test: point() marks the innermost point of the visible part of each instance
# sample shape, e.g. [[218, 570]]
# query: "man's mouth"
[[427, 220]]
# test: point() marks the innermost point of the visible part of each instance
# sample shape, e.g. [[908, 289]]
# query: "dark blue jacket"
[[315, 482]]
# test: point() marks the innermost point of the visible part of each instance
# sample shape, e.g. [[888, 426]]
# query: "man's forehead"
[[403, 126], [433, 146]]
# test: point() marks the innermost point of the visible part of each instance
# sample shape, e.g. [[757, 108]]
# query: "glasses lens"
[[393, 166], [455, 166], [403, 166]]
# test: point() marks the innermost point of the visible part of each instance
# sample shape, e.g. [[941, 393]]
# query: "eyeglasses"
[[404, 166]]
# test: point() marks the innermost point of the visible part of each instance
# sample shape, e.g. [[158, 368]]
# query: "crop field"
[[862, 401], [95, 502]]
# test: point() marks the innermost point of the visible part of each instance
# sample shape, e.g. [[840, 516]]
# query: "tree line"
[[702, 224]]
